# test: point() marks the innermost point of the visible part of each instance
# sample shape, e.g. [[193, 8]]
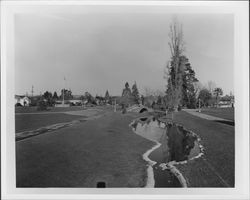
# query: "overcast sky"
[[97, 51]]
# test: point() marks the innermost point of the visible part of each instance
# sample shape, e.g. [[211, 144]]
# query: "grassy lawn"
[[34, 121], [225, 113], [216, 168], [104, 149], [107, 150], [50, 109]]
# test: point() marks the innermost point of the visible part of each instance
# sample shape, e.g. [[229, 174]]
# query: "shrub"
[[42, 105], [179, 108]]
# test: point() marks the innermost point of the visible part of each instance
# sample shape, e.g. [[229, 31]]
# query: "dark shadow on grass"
[[231, 123]]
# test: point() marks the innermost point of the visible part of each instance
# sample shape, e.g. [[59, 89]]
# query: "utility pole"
[[63, 96], [32, 90], [63, 89]]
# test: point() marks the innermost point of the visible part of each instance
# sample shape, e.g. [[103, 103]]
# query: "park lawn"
[[216, 167], [27, 122], [105, 149], [225, 113], [33, 109]]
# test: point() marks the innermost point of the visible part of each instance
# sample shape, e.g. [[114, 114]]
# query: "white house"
[[23, 100], [226, 104], [75, 101]]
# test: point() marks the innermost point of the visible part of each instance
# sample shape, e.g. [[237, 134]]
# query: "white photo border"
[[240, 10]]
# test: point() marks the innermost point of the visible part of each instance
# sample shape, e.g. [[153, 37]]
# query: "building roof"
[[20, 96]]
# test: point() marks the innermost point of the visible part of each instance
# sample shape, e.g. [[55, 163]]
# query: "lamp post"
[[64, 90], [199, 104], [63, 97], [115, 106]]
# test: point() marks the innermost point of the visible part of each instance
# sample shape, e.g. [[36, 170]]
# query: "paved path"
[[204, 116]]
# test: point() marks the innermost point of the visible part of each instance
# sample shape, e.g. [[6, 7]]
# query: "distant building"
[[226, 102], [75, 101], [22, 100]]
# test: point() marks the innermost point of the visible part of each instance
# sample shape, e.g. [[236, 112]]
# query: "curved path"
[[204, 116]]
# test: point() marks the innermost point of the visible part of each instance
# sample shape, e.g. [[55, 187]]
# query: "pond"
[[175, 144]]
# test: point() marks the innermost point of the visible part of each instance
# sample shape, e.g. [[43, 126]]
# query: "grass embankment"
[[28, 118], [225, 113], [216, 167], [105, 149], [34, 121]]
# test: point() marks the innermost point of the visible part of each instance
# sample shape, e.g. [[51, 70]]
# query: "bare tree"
[[197, 88], [176, 70], [211, 86], [147, 91], [176, 43], [217, 92], [159, 93], [151, 92]]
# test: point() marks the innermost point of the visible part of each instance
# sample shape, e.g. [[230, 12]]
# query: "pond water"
[[177, 144]]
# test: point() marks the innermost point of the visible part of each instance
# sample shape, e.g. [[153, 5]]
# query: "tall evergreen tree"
[[127, 98], [107, 97], [135, 93], [188, 89], [55, 96]]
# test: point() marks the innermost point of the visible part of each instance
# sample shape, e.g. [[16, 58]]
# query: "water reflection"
[[177, 144]]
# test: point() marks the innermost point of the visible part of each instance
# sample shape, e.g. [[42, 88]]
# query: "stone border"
[[150, 179], [170, 165]]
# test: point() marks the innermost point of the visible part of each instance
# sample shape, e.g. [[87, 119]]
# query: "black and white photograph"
[[102, 98]]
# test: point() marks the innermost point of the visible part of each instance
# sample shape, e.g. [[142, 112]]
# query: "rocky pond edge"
[[169, 165]]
